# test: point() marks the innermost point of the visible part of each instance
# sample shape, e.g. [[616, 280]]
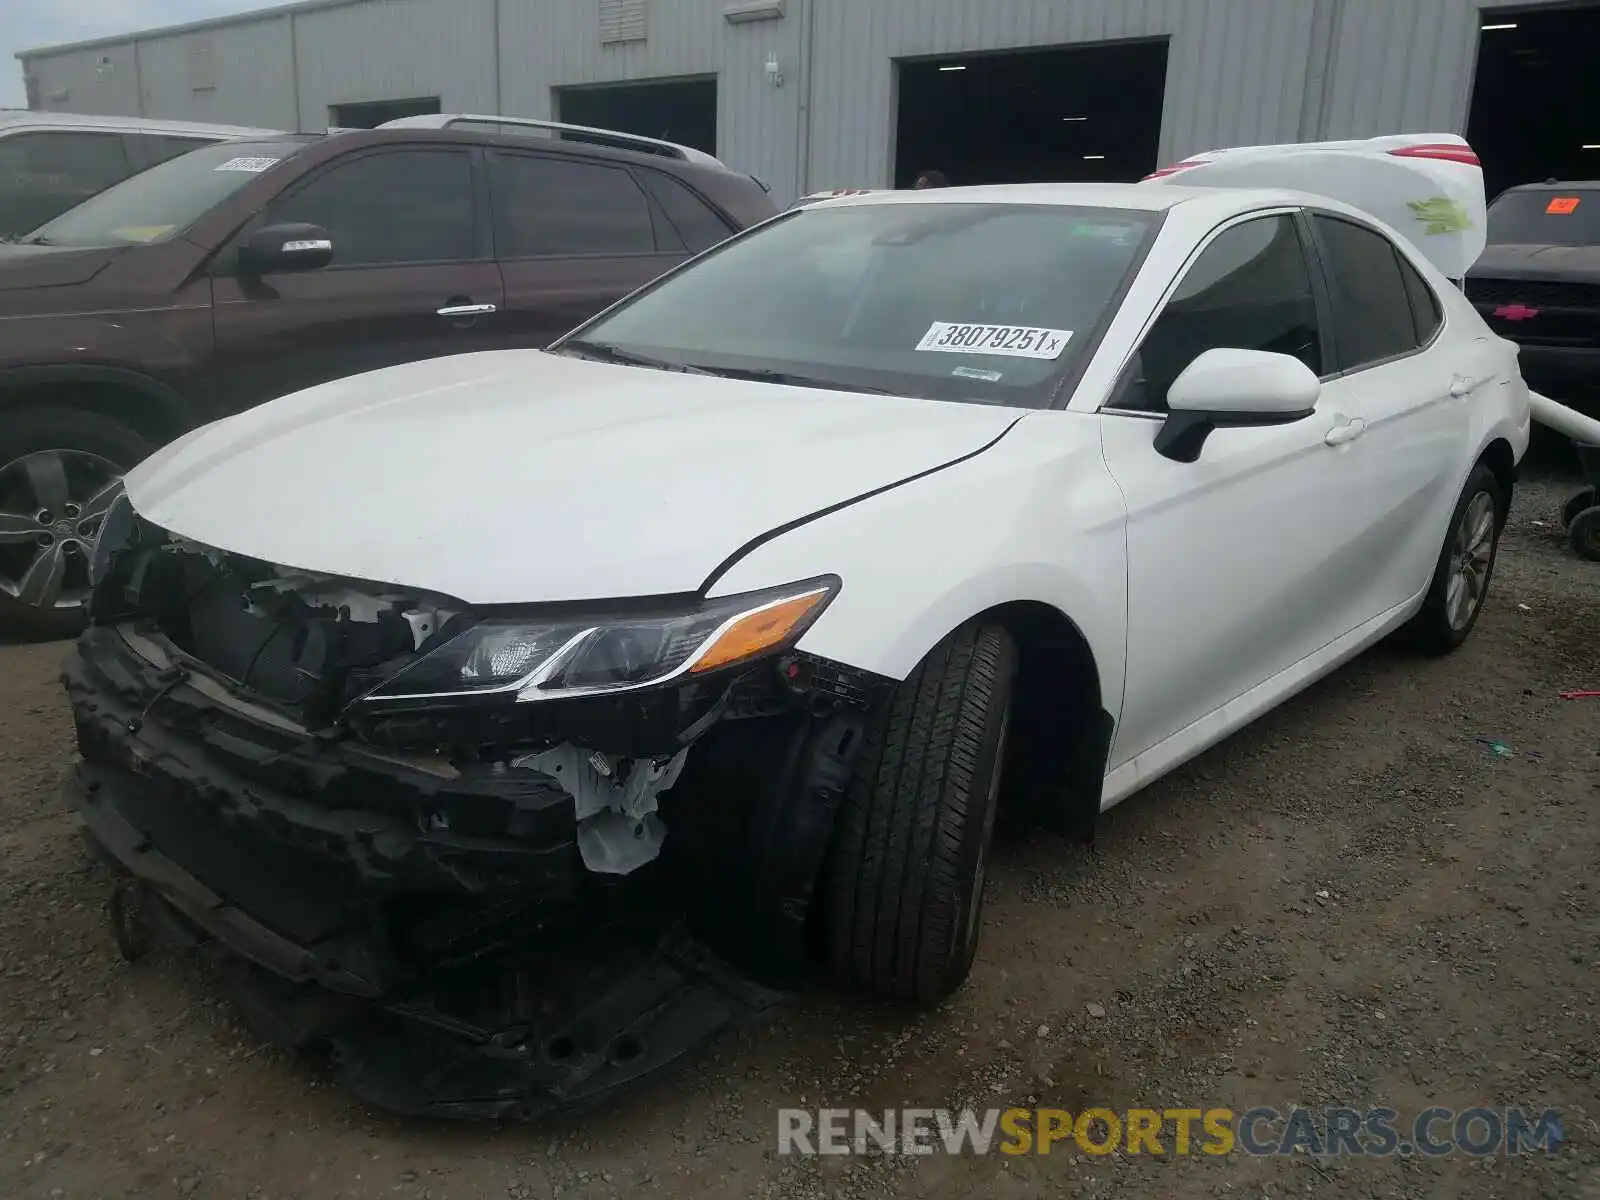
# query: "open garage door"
[[1536, 100], [1084, 112], [675, 110]]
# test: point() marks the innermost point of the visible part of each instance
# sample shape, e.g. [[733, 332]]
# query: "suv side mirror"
[[286, 248], [1234, 387]]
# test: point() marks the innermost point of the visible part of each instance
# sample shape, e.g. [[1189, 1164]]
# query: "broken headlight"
[[560, 657]]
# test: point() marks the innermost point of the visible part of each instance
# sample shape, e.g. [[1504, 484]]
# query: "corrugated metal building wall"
[[1239, 71]]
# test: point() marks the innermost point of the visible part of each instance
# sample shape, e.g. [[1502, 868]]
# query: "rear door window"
[[44, 174], [399, 206], [545, 207], [1372, 307], [696, 223], [153, 148]]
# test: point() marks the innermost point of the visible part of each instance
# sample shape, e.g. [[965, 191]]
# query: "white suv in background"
[[50, 162]]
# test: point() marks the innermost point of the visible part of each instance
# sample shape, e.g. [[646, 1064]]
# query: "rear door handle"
[[467, 310], [1349, 431], [1462, 387]]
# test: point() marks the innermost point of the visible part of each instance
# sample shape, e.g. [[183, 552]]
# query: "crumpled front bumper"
[[435, 927]]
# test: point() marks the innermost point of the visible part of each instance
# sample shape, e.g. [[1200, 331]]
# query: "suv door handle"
[[1345, 433], [467, 310]]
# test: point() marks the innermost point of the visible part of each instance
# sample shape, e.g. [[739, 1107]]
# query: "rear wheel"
[[1584, 534], [1465, 567], [1580, 501], [59, 471], [912, 837]]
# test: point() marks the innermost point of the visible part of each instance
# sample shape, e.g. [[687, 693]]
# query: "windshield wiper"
[[606, 352], [768, 375]]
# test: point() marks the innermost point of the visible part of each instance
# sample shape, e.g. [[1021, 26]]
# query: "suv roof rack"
[[575, 133]]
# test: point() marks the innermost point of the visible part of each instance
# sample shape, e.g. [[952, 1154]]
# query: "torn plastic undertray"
[[549, 1026], [548, 1029]]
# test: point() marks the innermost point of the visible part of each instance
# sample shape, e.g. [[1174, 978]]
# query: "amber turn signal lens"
[[758, 631]]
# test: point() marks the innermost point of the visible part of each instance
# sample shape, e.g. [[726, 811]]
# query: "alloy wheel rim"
[[53, 505], [1471, 556]]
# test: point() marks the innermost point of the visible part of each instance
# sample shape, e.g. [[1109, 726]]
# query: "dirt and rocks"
[[1383, 894]]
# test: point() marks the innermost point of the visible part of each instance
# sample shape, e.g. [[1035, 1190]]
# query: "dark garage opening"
[[369, 114], [1536, 99], [676, 110], [1087, 112]]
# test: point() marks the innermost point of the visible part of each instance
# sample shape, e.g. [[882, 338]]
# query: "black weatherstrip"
[[727, 564]]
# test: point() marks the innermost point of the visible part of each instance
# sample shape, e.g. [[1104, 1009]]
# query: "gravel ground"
[[1355, 901]]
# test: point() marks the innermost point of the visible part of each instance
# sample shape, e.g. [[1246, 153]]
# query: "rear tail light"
[[1172, 170], [1443, 151]]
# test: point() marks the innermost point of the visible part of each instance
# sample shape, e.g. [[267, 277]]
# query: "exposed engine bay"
[[540, 898]]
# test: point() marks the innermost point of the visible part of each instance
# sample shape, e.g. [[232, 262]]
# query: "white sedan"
[[792, 568]]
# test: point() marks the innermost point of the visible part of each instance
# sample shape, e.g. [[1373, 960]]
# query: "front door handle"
[[467, 310], [1349, 431]]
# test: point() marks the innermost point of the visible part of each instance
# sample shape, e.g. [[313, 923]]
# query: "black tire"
[[30, 431], [1583, 498], [1438, 628], [905, 880], [1583, 534]]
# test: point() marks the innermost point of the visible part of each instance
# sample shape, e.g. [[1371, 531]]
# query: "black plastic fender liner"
[[752, 819]]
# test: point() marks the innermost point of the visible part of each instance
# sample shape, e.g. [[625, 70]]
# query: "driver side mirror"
[[1225, 387], [286, 248]]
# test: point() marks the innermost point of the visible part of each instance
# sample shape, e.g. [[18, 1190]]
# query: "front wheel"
[[905, 891], [1466, 564], [59, 472]]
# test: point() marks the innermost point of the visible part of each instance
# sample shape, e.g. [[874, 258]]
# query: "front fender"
[[1035, 517]]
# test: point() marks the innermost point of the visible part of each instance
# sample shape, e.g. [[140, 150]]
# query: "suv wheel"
[[59, 471]]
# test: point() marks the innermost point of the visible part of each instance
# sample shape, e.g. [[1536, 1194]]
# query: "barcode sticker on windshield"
[[253, 165], [1015, 341]]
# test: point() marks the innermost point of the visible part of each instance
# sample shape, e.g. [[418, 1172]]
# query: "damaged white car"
[[514, 720]]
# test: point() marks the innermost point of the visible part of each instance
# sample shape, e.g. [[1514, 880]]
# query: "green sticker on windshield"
[[1440, 215]]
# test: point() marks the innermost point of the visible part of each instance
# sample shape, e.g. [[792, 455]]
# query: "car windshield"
[[1547, 217], [992, 303], [166, 199]]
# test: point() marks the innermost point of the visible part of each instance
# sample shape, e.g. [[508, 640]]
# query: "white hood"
[[521, 477]]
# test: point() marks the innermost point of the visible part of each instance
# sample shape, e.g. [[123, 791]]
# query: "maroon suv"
[[247, 270]]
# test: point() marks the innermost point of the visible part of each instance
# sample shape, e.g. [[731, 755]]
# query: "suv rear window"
[[1546, 217], [168, 198]]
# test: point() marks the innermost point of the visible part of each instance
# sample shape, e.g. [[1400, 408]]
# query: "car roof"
[[1138, 197], [25, 118], [465, 135], [526, 127]]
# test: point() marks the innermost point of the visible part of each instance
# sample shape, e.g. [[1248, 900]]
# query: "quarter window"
[[695, 222], [550, 207], [1425, 309], [407, 206], [1372, 318], [1249, 289]]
